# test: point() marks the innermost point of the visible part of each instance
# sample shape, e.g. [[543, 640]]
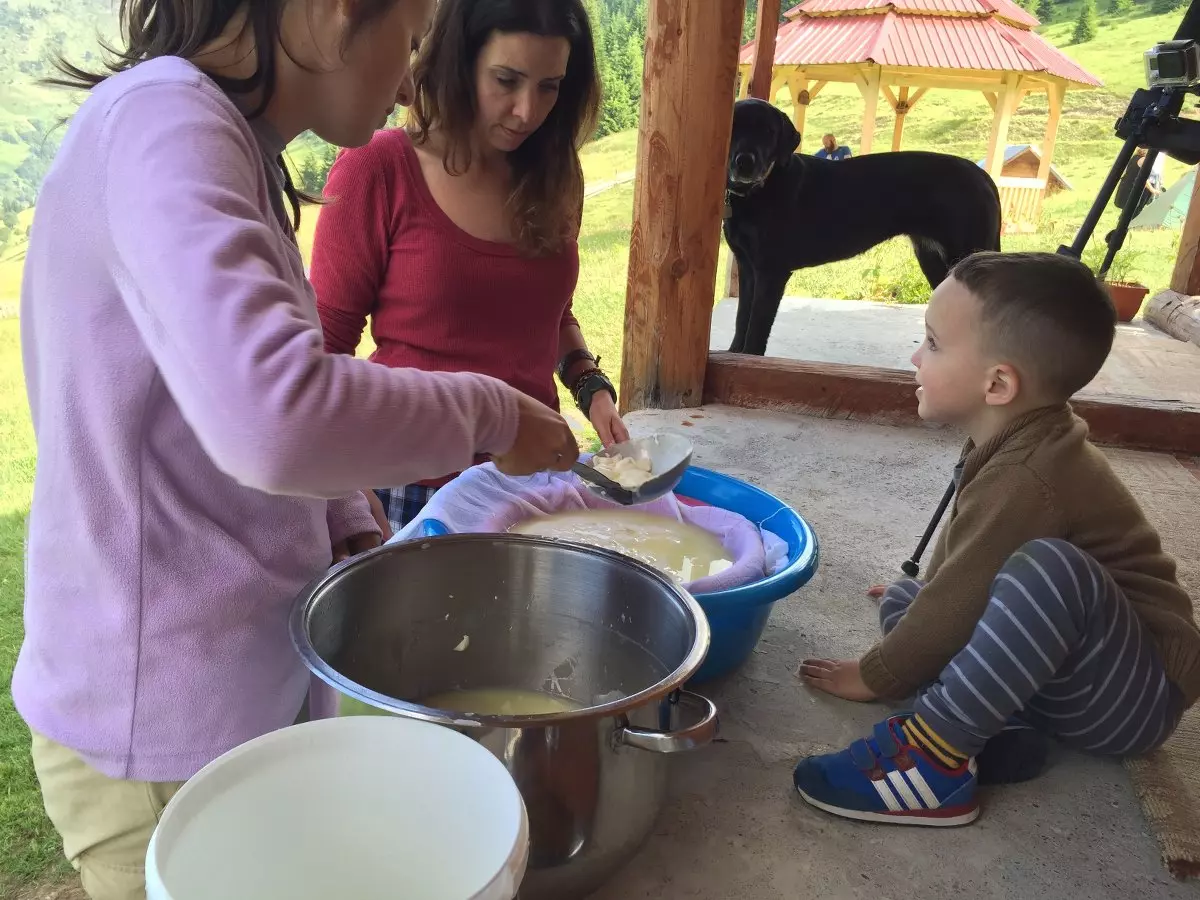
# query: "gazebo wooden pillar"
[[679, 192], [761, 85]]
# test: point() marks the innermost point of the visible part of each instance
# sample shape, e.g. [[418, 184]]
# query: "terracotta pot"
[[1127, 298]]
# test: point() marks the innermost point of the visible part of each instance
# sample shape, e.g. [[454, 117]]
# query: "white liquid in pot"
[[501, 702], [679, 550]]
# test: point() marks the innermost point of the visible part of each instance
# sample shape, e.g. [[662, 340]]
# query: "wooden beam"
[[886, 396], [869, 87], [1185, 279], [891, 98], [1006, 104], [679, 193], [990, 97], [917, 95], [765, 29], [902, 107]]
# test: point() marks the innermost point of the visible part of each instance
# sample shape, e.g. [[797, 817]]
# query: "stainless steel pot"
[[408, 621]]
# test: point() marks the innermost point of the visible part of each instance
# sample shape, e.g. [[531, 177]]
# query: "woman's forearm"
[[571, 340]]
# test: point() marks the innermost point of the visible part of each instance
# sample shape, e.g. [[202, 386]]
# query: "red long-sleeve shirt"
[[439, 299]]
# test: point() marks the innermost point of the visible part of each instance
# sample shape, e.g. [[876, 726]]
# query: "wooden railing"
[[1020, 203]]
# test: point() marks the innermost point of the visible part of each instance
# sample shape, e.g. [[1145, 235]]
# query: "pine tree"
[[1045, 11], [1086, 25], [1121, 7]]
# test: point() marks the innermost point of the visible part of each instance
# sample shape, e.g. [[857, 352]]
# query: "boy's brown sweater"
[[1039, 478]]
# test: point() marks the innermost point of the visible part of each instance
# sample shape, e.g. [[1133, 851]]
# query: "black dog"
[[787, 211]]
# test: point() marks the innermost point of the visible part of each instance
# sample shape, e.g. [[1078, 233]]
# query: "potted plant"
[[1127, 294]]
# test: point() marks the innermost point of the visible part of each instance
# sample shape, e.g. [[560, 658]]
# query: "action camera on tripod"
[[1151, 121]]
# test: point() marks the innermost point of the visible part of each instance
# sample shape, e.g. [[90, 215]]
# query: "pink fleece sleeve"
[[348, 517], [204, 276]]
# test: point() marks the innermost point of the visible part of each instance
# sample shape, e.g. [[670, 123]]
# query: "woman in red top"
[[458, 237]]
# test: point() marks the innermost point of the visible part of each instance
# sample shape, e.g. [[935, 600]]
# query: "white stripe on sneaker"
[[905, 792], [922, 786], [885, 794]]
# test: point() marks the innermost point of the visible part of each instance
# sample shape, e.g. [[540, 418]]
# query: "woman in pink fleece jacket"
[[198, 451]]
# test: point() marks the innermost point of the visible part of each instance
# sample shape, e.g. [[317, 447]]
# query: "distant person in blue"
[[831, 150]]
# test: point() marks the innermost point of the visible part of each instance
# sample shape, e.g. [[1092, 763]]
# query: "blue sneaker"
[[883, 778]]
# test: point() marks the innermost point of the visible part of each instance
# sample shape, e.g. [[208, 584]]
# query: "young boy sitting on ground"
[[1050, 603]]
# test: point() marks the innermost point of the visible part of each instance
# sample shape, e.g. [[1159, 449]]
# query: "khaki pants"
[[105, 823]]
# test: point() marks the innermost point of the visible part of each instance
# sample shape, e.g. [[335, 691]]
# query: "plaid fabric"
[[403, 504]]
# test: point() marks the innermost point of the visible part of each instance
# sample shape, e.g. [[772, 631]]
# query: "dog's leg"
[[768, 292], [746, 294]]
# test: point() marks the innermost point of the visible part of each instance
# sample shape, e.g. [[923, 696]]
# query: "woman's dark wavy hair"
[[155, 28], [546, 202]]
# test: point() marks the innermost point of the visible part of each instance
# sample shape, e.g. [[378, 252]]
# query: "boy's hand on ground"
[[876, 592], [840, 677]]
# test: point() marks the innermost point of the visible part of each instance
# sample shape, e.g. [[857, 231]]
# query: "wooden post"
[[869, 87], [1185, 279], [801, 97], [761, 85], [743, 83], [1006, 104], [766, 27], [679, 192], [1054, 95], [901, 111]]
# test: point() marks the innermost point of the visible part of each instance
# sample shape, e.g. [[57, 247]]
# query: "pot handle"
[[689, 738]]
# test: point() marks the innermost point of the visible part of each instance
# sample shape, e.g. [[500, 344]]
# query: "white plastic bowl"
[[362, 807]]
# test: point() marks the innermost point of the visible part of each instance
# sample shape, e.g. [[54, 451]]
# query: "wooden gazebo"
[[689, 85], [900, 49]]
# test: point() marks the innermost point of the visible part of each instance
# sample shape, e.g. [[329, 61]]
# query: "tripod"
[[1151, 121]]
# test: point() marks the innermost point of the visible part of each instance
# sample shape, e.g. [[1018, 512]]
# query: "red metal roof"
[[887, 37], [1004, 9]]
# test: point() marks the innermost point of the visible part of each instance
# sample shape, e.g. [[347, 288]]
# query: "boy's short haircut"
[[1046, 312]]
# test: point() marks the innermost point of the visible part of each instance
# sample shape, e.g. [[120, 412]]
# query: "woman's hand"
[[840, 677], [381, 519], [353, 546], [544, 441], [606, 420]]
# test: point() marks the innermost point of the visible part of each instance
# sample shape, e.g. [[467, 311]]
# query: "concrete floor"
[[1144, 363], [734, 826]]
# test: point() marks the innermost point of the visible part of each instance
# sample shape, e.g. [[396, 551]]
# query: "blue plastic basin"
[[737, 617]]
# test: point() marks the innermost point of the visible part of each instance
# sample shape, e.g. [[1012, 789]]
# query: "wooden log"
[[679, 194], [1185, 279], [1176, 314], [887, 397]]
